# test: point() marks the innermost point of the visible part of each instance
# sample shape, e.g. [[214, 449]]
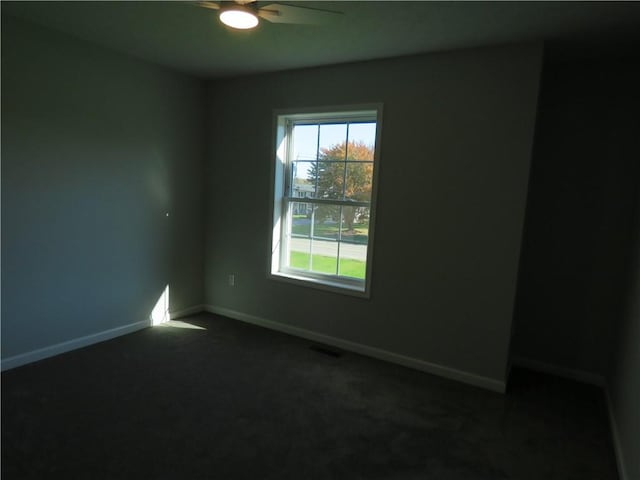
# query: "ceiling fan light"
[[239, 18]]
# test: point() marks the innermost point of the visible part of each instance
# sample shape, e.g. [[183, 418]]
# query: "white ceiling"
[[190, 39]]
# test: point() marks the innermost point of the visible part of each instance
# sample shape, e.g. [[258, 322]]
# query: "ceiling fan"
[[245, 14]]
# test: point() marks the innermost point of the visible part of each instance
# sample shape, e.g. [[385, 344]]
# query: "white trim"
[[289, 276], [58, 348], [185, 312], [617, 445], [570, 373], [422, 365]]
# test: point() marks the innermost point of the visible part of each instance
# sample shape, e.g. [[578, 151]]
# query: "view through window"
[[327, 165]]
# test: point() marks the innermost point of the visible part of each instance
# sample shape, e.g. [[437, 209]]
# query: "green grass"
[[324, 264]]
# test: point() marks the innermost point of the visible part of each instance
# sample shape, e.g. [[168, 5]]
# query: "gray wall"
[[456, 144], [578, 304], [579, 215], [624, 382], [96, 148]]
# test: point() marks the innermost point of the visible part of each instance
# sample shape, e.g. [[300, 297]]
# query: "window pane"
[[333, 138], [303, 179], [301, 219], [329, 179], [353, 247], [324, 247], [362, 140], [355, 225], [359, 181], [300, 235], [326, 222], [305, 142], [299, 257], [361, 147]]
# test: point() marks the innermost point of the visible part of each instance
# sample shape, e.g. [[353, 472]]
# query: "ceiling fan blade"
[[284, 13], [208, 5]]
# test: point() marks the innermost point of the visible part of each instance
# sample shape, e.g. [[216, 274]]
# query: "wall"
[[578, 227], [96, 149], [456, 142], [624, 381]]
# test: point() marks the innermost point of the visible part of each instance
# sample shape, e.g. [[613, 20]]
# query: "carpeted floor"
[[234, 401]]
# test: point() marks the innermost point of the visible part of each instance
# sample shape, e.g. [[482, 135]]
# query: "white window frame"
[[284, 120]]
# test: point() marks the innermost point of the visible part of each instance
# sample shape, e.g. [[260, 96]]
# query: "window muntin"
[[322, 219]]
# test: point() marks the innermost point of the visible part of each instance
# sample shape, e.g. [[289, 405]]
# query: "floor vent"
[[325, 350]]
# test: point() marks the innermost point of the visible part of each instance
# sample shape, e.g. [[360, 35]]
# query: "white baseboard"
[[52, 350], [571, 374], [617, 445], [422, 365], [186, 312], [57, 349]]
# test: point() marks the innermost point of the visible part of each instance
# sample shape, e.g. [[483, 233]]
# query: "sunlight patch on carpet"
[[180, 324]]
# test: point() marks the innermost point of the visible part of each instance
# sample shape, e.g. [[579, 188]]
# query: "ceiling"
[[192, 40]]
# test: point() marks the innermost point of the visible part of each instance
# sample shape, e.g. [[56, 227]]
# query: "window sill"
[[321, 284]]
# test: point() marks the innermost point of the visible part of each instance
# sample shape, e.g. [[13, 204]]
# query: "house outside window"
[[325, 171]]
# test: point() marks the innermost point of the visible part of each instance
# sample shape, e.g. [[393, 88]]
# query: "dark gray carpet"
[[237, 401]]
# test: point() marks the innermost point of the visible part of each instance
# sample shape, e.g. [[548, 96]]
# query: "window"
[[324, 192]]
